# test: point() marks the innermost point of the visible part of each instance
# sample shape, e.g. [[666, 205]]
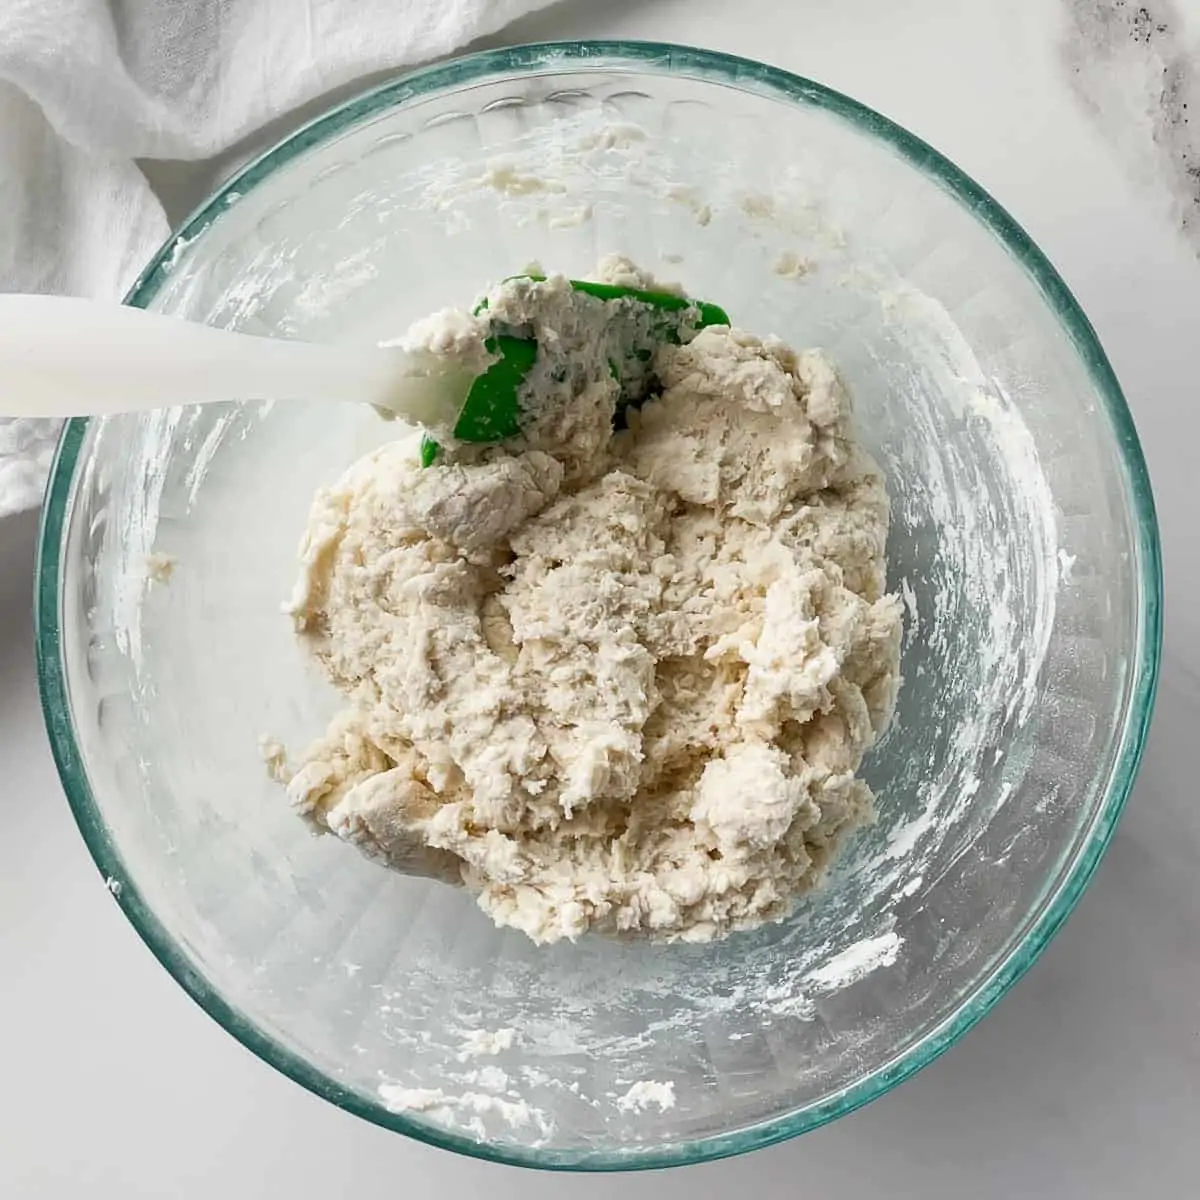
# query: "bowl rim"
[[744, 74]]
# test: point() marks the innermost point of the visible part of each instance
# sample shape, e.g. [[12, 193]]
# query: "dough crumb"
[[790, 265], [470, 1109], [572, 219], [160, 567], [688, 197], [618, 674], [646, 1092], [274, 754], [483, 1042], [508, 181], [757, 206]]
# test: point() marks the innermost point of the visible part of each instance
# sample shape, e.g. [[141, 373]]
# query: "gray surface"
[[1085, 1081]]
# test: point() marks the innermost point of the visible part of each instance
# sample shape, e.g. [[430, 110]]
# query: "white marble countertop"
[[1085, 1080]]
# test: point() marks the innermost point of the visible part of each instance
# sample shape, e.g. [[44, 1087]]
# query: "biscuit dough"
[[611, 681]]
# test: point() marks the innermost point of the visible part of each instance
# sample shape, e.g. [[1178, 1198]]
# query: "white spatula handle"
[[63, 357]]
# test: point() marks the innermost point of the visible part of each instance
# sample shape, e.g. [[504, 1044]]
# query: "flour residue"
[[1133, 67], [857, 962], [647, 1092], [477, 1113], [480, 1042], [436, 1002]]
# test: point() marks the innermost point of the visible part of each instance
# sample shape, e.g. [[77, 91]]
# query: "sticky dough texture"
[[612, 682]]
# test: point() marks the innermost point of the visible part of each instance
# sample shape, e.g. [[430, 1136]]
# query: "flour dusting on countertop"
[[1134, 67]]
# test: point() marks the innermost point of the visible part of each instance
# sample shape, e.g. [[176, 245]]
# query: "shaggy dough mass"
[[608, 681]]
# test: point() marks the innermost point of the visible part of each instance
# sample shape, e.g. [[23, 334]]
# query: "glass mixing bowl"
[[1023, 543]]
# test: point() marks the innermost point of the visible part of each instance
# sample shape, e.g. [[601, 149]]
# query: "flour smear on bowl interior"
[[609, 680]]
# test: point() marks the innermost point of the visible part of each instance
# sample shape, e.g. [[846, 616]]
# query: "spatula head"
[[492, 412]]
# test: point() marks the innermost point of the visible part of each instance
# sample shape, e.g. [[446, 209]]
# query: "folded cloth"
[[87, 87]]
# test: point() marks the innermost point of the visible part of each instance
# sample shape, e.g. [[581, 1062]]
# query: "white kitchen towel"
[[89, 86]]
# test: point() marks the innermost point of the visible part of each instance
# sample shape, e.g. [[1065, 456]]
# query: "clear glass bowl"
[[1023, 542]]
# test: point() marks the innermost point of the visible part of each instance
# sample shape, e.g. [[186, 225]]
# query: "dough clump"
[[609, 681]]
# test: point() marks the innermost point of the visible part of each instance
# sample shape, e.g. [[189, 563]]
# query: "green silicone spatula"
[[491, 411]]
